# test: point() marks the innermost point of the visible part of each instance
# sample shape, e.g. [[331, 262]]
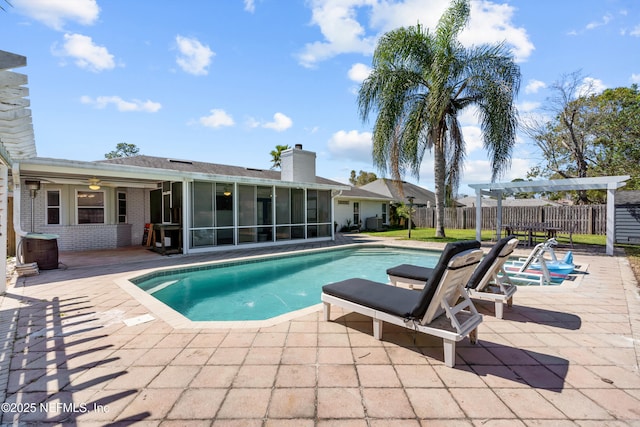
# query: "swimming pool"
[[269, 287]]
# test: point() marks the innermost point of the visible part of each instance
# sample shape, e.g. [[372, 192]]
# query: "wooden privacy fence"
[[581, 219]]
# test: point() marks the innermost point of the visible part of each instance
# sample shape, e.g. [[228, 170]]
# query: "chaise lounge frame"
[[450, 313], [489, 282]]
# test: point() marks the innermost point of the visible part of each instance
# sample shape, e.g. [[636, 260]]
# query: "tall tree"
[[275, 156], [617, 133], [362, 178], [123, 150], [566, 141], [588, 134], [420, 82]]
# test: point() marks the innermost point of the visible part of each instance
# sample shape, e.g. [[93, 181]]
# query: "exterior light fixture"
[[226, 192], [94, 184]]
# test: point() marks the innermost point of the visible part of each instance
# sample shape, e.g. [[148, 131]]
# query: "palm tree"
[[420, 81], [275, 156]]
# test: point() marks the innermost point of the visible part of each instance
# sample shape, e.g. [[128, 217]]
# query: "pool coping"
[[179, 321]]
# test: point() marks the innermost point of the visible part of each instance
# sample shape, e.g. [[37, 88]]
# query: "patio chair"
[[537, 269], [521, 270], [489, 281], [422, 311]]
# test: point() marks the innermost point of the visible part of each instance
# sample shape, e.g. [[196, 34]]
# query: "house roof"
[[390, 189], [471, 202], [629, 197], [146, 171], [193, 166], [361, 193]]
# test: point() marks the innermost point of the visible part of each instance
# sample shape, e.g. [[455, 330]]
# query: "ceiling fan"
[[94, 184]]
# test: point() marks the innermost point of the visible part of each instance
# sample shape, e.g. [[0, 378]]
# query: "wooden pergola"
[[499, 189], [16, 137]]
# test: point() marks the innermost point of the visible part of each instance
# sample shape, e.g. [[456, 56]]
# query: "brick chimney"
[[298, 165]]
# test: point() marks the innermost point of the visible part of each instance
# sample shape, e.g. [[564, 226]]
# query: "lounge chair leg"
[[449, 353], [377, 329], [510, 302], [473, 336], [499, 309], [327, 311]]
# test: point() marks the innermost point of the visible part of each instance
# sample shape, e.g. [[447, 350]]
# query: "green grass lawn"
[[428, 235]]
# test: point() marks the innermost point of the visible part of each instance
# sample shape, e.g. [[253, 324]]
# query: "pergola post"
[[608, 183], [478, 214], [611, 217]]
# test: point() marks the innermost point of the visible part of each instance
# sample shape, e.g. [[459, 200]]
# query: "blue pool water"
[[270, 287]]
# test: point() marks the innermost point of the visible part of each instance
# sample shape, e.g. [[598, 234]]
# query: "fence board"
[[584, 219]]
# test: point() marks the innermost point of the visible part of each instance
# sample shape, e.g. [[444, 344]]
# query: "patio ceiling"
[[16, 129]]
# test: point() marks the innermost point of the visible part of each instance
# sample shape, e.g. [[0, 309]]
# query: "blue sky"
[[226, 81]]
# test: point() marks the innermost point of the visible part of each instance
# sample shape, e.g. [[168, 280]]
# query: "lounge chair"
[[421, 311], [488, 282], [534, 269]]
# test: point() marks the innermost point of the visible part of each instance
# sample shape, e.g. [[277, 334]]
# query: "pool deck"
[[563, 356]]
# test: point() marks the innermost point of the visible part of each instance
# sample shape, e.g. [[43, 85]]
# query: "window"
[[90, 207], [384, 213], [122, 207], [53, 207], [356, 213]]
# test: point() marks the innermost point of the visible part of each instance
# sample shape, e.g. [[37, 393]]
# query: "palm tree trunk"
[[439, 171]]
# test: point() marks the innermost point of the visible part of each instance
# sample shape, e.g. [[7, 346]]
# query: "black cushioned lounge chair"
[[488, 282], [422, 310]]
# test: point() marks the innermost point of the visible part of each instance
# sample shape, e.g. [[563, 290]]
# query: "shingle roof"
[[203, 167], [629, 197], [390, 189]]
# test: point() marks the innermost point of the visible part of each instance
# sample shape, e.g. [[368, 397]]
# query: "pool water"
[[266, 288]]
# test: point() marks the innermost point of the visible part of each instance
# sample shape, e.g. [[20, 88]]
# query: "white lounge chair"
[[521, 271], [434, 310], [488, 282]]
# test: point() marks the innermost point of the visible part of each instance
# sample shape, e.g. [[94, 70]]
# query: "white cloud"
[[635, 78], [344, 33], [528, 106], [636, 31], [85, 53], [54, 13], [249, 6], [351, 145], [218, 118], [591, 86], [194, 57], [341, 31], [472, 138], [122, 105], [491, 23], [358, 72], [595, 24], [280, 123], [533, 86], [479, 171]]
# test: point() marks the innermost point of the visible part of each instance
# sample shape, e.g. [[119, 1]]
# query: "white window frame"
[[104, 206], [126, 215], [47, 206]]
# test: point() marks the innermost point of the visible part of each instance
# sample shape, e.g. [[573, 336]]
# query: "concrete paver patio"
[[563, 356]]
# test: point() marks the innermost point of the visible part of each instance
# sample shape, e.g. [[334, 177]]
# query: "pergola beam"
[[608, 183]]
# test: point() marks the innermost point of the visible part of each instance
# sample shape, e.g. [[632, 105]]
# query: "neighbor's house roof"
[[389, 188], [630, 197], [16, 128], [361, 194], [488, 202]]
